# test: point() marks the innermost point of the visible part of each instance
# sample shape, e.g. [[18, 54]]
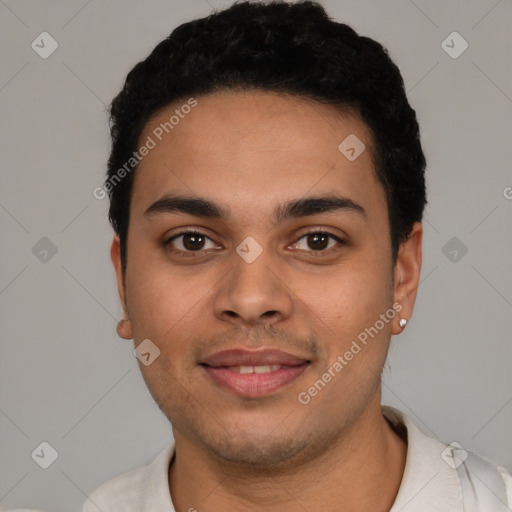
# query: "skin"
[[248, 152]]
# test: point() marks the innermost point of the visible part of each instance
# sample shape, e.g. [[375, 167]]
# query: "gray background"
[[65, 376]]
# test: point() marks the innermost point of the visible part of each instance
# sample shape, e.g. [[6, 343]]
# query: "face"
[[258, 257]]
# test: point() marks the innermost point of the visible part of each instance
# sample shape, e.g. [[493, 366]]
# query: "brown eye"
[[188, 241], [193, 241], [317, 241]]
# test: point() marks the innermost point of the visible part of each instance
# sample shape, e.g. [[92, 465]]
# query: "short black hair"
[[292, 48]]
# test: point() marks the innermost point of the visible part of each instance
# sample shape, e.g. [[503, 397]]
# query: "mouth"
[[253, 374]]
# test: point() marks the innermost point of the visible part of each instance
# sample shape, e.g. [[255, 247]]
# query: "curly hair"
[[292, 48]]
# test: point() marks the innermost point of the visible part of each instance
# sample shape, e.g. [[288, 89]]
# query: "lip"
[[253, 385], [244, 357]]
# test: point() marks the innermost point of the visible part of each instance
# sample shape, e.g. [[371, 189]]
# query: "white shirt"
[[429, 483]]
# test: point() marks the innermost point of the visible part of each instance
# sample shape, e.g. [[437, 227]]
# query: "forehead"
[[247, 149]]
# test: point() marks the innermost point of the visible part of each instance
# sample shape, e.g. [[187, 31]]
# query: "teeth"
[[262, 369], [255, 369]]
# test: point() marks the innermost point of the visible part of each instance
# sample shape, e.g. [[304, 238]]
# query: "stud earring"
[[402, 323]]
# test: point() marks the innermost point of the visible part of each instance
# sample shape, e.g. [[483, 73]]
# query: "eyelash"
[[167, 242]]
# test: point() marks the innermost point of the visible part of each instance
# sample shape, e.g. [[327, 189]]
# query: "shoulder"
[[458, 475], [507, 478], [119, 493], [126, 492]]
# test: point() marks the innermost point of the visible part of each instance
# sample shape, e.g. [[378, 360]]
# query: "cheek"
[[345, 308], [162, 302], [350, 293], [168, 309]]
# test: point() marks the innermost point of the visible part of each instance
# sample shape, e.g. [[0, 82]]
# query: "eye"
[[317, 241], [189, 241]]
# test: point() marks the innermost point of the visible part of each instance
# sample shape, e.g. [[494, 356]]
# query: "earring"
[[402, 323]]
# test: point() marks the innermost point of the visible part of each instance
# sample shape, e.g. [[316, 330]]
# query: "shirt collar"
[[155, 495], [428, 483]]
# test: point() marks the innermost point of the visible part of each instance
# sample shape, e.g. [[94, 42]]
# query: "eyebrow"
[[202, 207]]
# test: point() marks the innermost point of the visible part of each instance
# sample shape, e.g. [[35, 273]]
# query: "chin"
[[258, 453]]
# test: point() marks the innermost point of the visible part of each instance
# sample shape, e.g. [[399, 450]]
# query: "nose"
[[253, 293]]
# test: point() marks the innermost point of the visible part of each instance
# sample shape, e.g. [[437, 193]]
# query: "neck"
[[362, 471]]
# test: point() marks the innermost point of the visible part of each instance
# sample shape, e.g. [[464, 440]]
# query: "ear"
[[124, 327], [407, 275]]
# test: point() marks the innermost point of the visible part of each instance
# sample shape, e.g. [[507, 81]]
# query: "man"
[[267, 188]]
